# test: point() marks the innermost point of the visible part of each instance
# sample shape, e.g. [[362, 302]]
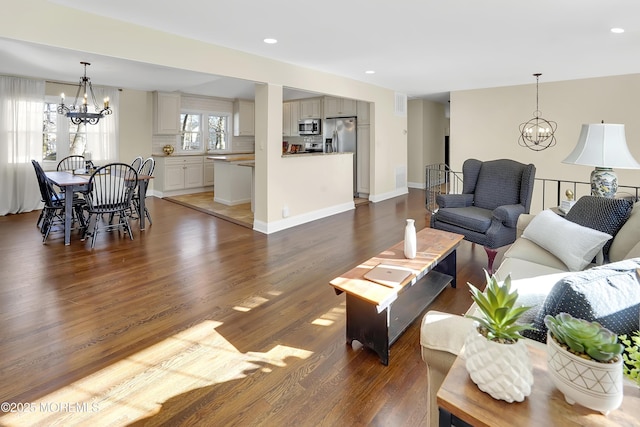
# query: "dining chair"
[[136, 163], [147, 168], [71, 163], [111, 189], [53, 210]]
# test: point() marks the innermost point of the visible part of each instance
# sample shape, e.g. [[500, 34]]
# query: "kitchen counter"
[[310, 153], [232, 157]]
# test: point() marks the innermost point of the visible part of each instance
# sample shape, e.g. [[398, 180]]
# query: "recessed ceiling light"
[[617, 30], [270, 41], [369, 72]]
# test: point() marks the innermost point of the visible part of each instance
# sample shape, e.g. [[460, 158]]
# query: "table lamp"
[[603, 146]]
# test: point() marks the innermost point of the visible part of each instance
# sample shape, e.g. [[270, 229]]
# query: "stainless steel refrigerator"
[[340, 136]]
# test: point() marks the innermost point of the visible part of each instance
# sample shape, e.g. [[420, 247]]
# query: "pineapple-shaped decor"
[[496, 359]]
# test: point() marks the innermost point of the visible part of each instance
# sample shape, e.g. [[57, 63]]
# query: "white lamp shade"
[[602, 145]]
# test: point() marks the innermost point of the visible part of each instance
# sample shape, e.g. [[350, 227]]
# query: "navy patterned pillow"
[[609, 294], [602, 214]]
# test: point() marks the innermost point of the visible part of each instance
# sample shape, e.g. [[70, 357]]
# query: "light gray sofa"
[[534, 272]]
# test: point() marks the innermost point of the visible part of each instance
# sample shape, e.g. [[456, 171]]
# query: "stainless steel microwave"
[[309, 127]]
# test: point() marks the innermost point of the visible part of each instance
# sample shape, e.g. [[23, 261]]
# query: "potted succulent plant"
[[631, 356], [584, 361], [497, 359]]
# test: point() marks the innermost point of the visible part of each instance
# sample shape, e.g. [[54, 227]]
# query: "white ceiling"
[[424, 48]]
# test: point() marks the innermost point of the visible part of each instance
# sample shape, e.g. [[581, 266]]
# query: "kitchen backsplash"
[[239, 143]]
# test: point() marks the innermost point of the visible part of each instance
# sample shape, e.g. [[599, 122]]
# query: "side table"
[[460, 399]]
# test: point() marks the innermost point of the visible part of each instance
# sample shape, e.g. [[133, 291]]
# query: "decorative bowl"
[[168, 149]]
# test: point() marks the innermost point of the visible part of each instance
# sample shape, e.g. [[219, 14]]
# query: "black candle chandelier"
[[537, 134], [79, 113]]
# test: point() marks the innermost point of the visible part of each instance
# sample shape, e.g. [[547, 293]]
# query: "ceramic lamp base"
[[604, 182]]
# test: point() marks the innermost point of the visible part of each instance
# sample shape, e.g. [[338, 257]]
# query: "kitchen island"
[[233, 182]]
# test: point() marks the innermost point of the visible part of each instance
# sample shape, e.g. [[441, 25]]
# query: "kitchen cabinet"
[[311, 108], [363, 160], [339, 107], [234, 181], [166, 113], [208, 172], [363, 113], [175, 174], [290, 117], [243, 118]]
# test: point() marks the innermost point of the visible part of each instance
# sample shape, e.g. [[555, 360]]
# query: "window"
[[191, 132], [218, 132], [57, 128], [198, 138], [49, 132]]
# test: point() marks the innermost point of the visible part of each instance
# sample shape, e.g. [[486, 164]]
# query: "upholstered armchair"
[[494, 194]]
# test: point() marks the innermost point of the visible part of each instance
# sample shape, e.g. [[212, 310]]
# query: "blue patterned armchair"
[[494, 194]]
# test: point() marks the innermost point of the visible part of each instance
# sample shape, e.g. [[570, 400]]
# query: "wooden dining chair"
[[147, 168], [72, 163], [111, 189], [54, 210], [136, 163]]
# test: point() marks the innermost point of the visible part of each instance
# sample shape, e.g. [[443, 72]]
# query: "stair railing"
[[440, 179]]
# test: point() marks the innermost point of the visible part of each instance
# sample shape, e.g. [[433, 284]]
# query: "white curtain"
[[21, 118], [102, 139]]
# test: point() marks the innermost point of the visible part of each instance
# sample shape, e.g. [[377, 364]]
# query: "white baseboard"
[[283, 224], [230, 203], [162, 194], [390, 195], [418, 185]]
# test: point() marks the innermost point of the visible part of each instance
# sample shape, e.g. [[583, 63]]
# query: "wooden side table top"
[[432, 246], [544, 407]]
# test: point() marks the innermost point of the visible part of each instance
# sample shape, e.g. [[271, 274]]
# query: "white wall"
[[39, 21], [485, 122], [427, 127]]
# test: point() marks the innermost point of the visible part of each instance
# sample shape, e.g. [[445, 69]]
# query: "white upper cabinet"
[[243, 118], [166, 117], [339, 107], [310, 108], [290, 117]]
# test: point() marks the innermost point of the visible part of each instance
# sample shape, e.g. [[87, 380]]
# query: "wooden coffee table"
[[376, 314], [460, 399]]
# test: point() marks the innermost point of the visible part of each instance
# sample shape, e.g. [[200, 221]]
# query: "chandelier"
[[79, 113], [537, 134]]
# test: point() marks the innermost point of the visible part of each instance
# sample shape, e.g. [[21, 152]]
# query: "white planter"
[[504, 371], [592, 384]]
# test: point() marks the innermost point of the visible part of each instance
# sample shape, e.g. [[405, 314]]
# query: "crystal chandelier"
[[79, 113], [537, 134]]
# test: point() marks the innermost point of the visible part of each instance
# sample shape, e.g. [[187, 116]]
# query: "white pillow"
[[573, 244]]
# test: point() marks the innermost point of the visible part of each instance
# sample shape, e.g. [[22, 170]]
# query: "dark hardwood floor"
[[199, 321]]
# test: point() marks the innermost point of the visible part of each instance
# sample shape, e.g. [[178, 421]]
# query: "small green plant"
[[584, 338], [631, 356], [499, 314]]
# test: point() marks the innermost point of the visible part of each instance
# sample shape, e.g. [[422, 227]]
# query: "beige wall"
[[425, 139], [39, 21], [135, 125], [485, 123]]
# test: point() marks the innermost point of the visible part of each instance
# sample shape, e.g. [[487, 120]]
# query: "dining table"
[[71, 183]]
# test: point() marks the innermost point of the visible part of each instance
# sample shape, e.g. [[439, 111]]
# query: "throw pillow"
[[602, 214], [609, 294], [572, 243]]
